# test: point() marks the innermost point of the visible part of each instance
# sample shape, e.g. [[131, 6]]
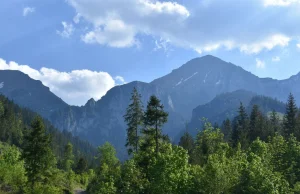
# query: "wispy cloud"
[[260, 64], [28, 10], [276, 59], [67, 31]]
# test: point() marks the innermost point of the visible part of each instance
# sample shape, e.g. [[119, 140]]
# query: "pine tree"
[[240, 130], [155, 117], [274, 121], [290, 121], [68, 159], [81, 166], [37, 153], [134, 120], [227, 129], [256, 124], [187, 142]]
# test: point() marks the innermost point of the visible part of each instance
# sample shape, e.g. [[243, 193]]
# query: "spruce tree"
[[134, 120], [227, 129], [187, 142], [68, 159], [274, 121], [255, 125], [154, 118], [37, 153], [290, 121], [81, 166], [240, 130]]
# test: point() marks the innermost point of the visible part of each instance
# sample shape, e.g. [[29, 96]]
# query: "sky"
[[82, 48]]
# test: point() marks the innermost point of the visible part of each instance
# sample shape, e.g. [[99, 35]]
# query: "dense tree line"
[[37, 158], [15, 124], [256, 152]]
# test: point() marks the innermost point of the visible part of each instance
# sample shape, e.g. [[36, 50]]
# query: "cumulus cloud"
[[204, 26], [75, 87], [28, 10], [67, 31], [260, 64], [276, 59]]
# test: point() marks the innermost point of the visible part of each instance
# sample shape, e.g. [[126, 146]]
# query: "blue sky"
[[82, 48]]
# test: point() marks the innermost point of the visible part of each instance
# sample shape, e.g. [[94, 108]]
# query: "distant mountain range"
[[185, 93]]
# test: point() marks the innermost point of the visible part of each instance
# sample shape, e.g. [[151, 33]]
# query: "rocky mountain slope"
[[195, 83], [29, 93]]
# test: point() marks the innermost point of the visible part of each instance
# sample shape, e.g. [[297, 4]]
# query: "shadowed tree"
[[154, 118]]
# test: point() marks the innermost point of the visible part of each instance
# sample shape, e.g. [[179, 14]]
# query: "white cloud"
[[276, 59], [298, 45], [28, 10], [67, 31], [75, 87], [279, 2], [260, 64], [203, 27], [120, 80]]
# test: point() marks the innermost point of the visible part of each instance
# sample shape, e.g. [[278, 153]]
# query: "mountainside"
[[29, 93], [195, 83], [15, 122], [226, 106], [103, 120]]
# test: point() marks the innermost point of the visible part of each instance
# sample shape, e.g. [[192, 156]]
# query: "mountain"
[[101, 121], [29, 93], [195, 83], [226, 106]]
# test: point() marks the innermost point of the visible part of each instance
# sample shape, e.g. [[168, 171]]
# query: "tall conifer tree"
[[134, 119], [37, 153], [290, 121], [155, 117]]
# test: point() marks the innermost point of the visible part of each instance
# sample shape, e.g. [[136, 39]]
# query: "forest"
[[253, 153]]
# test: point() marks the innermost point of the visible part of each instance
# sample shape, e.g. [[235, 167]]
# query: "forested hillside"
[[255, 152]]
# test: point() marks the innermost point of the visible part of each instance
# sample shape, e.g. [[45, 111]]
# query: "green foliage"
[[134, 119], [290, 122], [38, 156], [108, 174], [12, 171], [155, 117]]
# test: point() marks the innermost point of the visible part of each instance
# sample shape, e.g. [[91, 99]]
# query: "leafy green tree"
[[68, 158], [68, 161], [154, 118], [208, 141], [133, 179], [12, 171], [290, 122], [134, 119], [37, 154], [108, 174], [169, 171]]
